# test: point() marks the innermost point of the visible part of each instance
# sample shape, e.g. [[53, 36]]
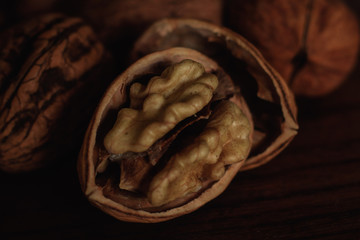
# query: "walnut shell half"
[[209, 139], [145, 187], [271, 103]]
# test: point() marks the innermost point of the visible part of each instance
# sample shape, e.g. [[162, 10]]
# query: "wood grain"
[[310, 191]]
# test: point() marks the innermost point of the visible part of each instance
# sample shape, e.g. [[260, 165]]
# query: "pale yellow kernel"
[[160, 105], [218, 171], [222, 142], [153, 103]]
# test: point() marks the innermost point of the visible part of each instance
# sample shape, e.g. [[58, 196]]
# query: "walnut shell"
[[48, 69], [101, 186], [314, 44], [271, 103], [246, 79]]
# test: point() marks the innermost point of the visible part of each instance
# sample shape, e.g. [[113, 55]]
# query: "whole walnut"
[[119, 23], [52, 69], [312, 43]]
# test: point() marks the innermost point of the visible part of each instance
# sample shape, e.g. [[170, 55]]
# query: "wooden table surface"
[[310, 191]]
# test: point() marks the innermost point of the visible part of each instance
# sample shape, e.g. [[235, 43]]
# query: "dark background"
[[310, 191]]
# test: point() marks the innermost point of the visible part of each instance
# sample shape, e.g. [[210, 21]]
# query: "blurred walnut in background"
[[111, 17], [312, 43], [120, 23]]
